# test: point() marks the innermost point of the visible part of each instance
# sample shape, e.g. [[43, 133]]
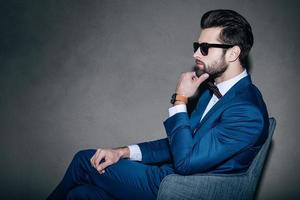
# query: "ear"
[[233, 53]]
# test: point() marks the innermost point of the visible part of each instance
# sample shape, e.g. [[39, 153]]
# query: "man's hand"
[[110, 156], [188, 83]]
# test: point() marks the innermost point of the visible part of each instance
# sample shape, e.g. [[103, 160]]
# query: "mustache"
[[199, 62]]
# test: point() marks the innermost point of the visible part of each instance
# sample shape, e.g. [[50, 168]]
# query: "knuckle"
[[100, 150], [111, 161]]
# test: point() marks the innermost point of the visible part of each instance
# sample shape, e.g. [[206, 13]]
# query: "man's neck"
[[231, 72]]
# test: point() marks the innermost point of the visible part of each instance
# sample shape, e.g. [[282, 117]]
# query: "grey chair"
[[217, 186]]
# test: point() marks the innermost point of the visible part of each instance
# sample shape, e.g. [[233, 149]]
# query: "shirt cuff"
[[177, 109], [135, 152]]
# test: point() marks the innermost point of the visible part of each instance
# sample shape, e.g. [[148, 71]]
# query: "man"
[[223, 134]]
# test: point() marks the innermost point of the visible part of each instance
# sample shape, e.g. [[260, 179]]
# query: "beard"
[[217, 68]]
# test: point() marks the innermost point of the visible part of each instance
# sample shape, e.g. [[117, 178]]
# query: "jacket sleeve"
[[238, 127], [156, 151]]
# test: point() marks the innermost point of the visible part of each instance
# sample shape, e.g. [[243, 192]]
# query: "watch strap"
[[181, 98]]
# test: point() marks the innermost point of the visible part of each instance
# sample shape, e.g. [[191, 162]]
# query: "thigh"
[[125, 179]]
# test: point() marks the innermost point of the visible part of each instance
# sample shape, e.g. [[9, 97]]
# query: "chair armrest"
[[200, 186]]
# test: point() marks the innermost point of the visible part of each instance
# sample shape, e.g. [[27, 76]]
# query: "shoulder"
[[247, 107]]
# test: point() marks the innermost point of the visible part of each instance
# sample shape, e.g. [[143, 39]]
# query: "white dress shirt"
[[135, 151]]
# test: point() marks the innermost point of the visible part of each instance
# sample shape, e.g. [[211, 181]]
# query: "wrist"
[[179, 103], [123, 152]]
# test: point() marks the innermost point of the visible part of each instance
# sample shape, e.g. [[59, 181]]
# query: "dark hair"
[[236, 30]]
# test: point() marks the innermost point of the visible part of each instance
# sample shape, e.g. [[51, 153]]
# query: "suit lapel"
[[201, 105], [239, 86]]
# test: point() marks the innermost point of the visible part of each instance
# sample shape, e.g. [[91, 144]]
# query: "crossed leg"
[[125, 179]]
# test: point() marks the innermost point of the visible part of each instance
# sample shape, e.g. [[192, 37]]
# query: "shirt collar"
[[226, 85]]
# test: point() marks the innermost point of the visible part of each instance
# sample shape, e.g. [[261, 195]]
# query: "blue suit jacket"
[[226, 140]]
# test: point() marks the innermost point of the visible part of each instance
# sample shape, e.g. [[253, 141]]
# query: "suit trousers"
[[125, 179]]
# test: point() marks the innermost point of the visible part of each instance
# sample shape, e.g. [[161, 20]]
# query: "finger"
[[202, 78], [92, 160], [95, 157], [194, 76], [103, 165], [98, 159]]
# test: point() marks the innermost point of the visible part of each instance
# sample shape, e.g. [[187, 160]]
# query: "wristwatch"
[[175, 97]]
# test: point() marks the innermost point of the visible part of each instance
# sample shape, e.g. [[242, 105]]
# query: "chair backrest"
[[253, 174], [258, 162]]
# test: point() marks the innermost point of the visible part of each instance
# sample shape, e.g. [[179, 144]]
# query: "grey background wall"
[[85, 74]]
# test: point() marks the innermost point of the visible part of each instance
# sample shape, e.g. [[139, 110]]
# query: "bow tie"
[[214, 89]]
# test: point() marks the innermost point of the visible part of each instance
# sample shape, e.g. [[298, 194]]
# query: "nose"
[[197, 54]]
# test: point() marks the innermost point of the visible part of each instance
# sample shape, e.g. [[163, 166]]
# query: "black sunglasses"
[[205, 46]]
